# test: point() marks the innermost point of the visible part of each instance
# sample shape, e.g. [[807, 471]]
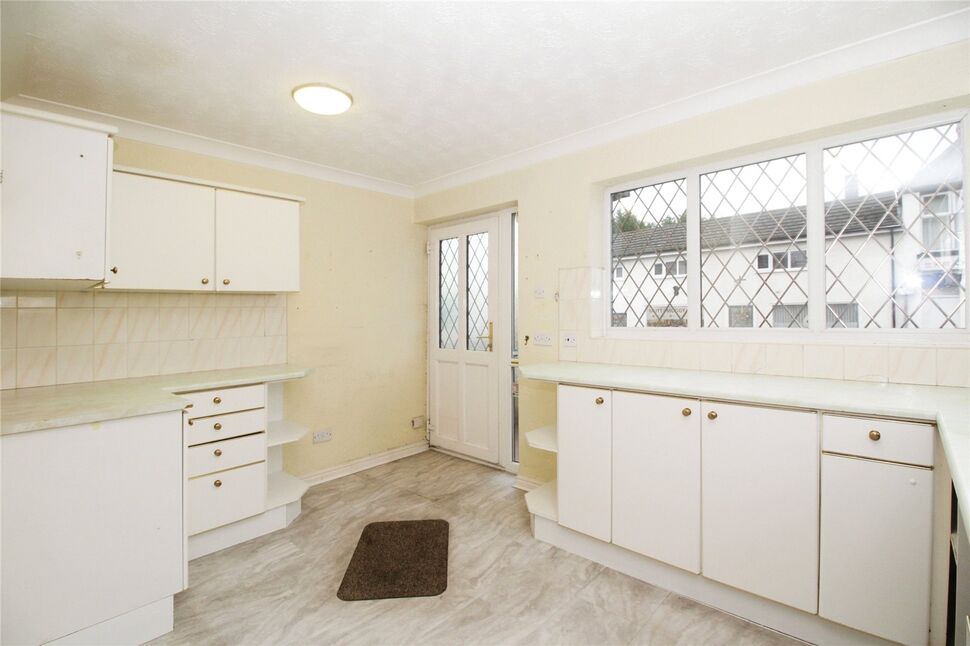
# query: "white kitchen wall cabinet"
[[760, 501], [657, 477], [93, 525], [876, 535], [584, 429], [257, 243], [55, 198], [162, 234]]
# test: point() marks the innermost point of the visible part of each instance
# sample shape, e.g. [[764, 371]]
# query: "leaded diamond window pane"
[[748, 214], [894, 223], [477, 314], [448, 293], [650, 256]]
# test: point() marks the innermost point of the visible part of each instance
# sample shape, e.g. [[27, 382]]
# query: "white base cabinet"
[[874, 570], [657, 477], [92, 525], [585, 458], [760, 501]]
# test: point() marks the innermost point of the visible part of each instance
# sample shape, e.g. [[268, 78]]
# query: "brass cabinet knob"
[[225, 281], [217, 426], [599, 400], [114, 270], [686, 412], [217, 400], [217, 452], [712, 415], [205, 281], [874, 435], [217, 483]]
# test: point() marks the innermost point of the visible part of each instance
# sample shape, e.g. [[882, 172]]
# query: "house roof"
[[843, 217]]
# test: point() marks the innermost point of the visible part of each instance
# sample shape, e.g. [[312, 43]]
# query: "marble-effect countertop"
[[34, 409], [948, 408]]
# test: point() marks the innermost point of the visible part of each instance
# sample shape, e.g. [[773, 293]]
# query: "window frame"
[[817, 331]]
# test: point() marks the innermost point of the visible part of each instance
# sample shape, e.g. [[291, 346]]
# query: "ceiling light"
[[322, 99]]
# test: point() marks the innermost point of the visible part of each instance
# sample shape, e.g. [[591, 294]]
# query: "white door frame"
[[502, 318]]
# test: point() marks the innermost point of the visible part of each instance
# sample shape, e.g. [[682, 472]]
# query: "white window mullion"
[[693, 251], [815, 228]]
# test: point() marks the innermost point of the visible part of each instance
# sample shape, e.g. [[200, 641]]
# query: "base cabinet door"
[[875, 547], [657, 477], [760, 501], [584, 482]]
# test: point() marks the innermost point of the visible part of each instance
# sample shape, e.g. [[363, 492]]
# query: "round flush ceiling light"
[[322, 99]]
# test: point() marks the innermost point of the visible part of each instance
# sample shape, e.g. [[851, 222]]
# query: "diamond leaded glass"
[[894, 229], [477, 291], [753, 242], [448, 293], [649, 257]]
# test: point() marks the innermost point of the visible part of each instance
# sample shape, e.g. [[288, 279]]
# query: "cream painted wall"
[[560, 201], [359, 320]]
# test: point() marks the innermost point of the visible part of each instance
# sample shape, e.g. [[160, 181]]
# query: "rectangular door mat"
[[405, 558]]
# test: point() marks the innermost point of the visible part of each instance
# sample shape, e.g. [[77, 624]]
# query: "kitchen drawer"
[[218, 456], [223, 427], [225, 400], [878, 439], [225, 497]]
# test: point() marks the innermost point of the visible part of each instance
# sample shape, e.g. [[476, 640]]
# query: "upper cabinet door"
[[657, 477], [257, 243], [760, 501], [161, 235], [55, 179]]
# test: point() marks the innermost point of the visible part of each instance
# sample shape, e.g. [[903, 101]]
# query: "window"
[[748, 212], [649, 243], [887, 248], [894, 221]]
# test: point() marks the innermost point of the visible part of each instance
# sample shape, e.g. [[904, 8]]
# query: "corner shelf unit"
[[280, 432], [543, 438], [543, 501]]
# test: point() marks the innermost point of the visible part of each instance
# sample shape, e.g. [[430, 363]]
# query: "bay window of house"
[[886, 220]]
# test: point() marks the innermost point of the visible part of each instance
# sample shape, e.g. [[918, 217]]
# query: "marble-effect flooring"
[[504, 587]]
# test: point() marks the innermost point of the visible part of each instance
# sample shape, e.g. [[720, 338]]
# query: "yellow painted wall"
[[359, 320], [560, 202]]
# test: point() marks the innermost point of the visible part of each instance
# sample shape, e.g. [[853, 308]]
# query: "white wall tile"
[[912, 366], [104, 298], [275, 321], [226, 322], [748, 358], [866, 363], [142, 324], [110, 325], [36, 327], [75, 299], [173, 323], [36, 367], [251, 321], [824, 361], [110, 361], [8, 368], [143, 299], [8, 328], [716, 356], [36, 299], [252, 350], [173, 300], [784, 359], [75, 364], [75, 326], [276, 350], [142, 359], [953, 367], [202, 323], [175, 356]]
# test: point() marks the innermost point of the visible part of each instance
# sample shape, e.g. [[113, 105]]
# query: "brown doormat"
[[405, 558]]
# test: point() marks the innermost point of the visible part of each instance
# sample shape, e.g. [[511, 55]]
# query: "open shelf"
[[283, 432], [542, 501], [282, 489], [543, 438]]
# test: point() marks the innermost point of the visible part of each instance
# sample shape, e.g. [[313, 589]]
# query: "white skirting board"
[[527, 484], [776, 616], [364, 463], [134, 627], [243, 530]]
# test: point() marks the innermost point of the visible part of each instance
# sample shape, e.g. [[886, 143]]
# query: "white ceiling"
[[438, 87]]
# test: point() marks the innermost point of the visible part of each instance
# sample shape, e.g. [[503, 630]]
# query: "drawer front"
[[218, 456], [223, 427], [225, 400], [225, 497], [879, 439]]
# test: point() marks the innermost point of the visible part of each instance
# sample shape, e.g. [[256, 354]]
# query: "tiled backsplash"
[[67, 337], [579, 313]]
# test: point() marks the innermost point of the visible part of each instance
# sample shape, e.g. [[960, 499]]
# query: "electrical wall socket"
[[542, 338], [418, 422], [569, 340], [539, 292], [322, 436]]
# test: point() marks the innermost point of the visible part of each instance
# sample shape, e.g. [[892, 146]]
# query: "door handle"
[[490, 336]]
